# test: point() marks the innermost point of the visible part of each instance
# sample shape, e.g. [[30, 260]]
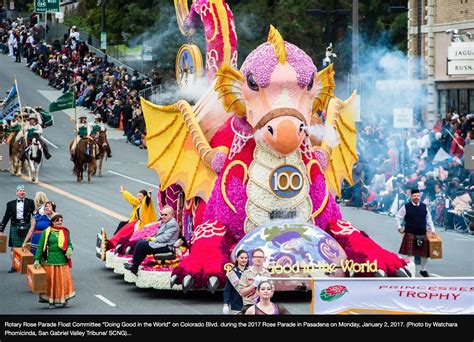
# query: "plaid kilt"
[[409, 246], [17, 236]]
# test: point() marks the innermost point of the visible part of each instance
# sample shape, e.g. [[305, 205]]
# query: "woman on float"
[[265, 306], [143, 213], [232, 299]]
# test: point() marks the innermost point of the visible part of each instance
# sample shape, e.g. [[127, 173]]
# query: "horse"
[[85, 159], [34, 159], [16, 149], [101, 141]]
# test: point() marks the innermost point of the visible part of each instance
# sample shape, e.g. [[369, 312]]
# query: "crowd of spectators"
[[392, 162], [68, 65]]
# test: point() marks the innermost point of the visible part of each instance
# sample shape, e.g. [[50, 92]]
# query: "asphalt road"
[[87, 207]]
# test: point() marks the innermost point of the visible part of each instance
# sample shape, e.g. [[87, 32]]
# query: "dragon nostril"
[[301, 128], [270, 129]]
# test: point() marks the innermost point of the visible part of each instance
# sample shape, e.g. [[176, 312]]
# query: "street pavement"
[[88, 207]]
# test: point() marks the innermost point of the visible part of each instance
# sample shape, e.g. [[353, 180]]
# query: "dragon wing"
[[324, 81], [177, 148], [341, 115]]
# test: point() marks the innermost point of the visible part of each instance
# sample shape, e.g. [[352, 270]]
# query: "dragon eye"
[[310, 84], [252, 84]]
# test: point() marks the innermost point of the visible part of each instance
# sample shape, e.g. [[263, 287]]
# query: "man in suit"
[[19, 214], [162, 242]]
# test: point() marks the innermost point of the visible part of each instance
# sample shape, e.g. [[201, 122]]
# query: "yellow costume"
[[147, 212]]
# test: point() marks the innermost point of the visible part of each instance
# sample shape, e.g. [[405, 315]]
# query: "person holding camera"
[[19, 213], [417, 221]]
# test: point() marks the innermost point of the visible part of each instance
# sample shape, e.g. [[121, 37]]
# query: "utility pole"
[[355, 38], [354, 77], [103, 34]]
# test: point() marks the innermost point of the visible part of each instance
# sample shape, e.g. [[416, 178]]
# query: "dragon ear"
[[229, 87], [275, 38], [324, 81]]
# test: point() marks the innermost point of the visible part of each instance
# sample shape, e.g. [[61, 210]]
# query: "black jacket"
[[10, 213]]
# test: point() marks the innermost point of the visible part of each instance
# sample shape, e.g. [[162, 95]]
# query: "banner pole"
[[74, 104], [21, 113]]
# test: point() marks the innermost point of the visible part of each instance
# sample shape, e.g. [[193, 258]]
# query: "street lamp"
[[329, 53]]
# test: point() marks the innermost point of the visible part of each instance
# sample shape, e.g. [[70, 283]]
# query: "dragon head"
[[275, 92]]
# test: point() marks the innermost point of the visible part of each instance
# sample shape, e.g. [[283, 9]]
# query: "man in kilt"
[[19, 211], [417, 222]]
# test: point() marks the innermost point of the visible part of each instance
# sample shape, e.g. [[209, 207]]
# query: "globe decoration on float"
[[293, 249]]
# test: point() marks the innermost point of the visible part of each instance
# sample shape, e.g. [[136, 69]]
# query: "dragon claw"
[[380, 274], [400, 272], [173, 280], [212, 284], [117, 248], [188, 283]]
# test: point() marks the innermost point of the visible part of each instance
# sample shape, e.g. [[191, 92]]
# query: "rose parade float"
[[253, 164]]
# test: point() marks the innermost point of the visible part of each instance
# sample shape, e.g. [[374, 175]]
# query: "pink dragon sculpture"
[[222, 152]]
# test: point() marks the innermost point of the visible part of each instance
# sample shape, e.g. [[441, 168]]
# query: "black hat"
[[415, 191]]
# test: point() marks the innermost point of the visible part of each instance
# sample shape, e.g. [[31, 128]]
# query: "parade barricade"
[[36, 279], [21, 259], [447, 296]]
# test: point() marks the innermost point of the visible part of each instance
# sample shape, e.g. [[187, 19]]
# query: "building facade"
[[441, 54]]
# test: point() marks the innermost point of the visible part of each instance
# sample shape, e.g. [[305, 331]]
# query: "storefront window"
[[443, 102], [453, 99], [463, 101], [471, 101]]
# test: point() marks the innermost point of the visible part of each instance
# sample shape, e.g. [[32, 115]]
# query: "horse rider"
[[98, 127], [15, 127], [33, 129], [83, 131]]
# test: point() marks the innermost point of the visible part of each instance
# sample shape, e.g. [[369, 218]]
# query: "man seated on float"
[[162, 242], [143, 213], [34, 130], [97, 127], [82, 132]]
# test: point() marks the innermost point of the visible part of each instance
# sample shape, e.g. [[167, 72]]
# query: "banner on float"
[[448, 296]]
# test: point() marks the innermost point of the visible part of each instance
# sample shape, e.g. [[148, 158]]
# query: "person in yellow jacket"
[[143, 213]]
